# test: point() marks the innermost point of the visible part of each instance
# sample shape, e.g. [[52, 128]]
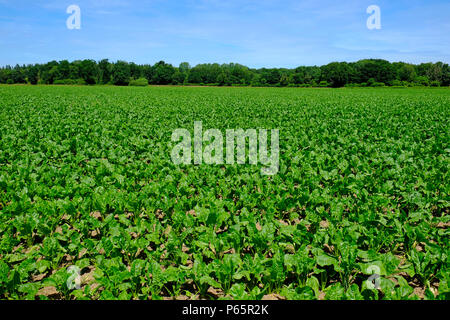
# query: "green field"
[[87, 180]]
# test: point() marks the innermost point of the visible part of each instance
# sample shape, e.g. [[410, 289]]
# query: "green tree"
[[162, 73], [178, 77], [147, 72], [184, 67], [284, 80], [422, 81], [445, 79], [33, 74], [256, 81], [4, 75], [406, 72], [89, 71], [336, 73], [380, 70], [105, 70], [64, 69], [18, 75], [121, 73], [135, 71]]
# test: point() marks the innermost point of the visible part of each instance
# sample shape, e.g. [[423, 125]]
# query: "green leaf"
[[325, 260]]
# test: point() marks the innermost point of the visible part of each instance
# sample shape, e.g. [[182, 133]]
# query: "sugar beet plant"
[[86, 180]]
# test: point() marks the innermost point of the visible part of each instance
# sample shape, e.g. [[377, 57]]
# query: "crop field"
[[92, 206]]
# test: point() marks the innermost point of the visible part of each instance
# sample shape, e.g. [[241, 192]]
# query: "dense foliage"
[[372, 72], [86, 179]]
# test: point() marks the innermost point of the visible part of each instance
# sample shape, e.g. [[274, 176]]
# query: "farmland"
[[86, 180]]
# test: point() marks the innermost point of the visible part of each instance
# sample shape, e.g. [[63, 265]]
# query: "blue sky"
[[256, 33]]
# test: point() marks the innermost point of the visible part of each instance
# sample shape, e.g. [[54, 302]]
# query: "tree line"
[[369, 72]]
